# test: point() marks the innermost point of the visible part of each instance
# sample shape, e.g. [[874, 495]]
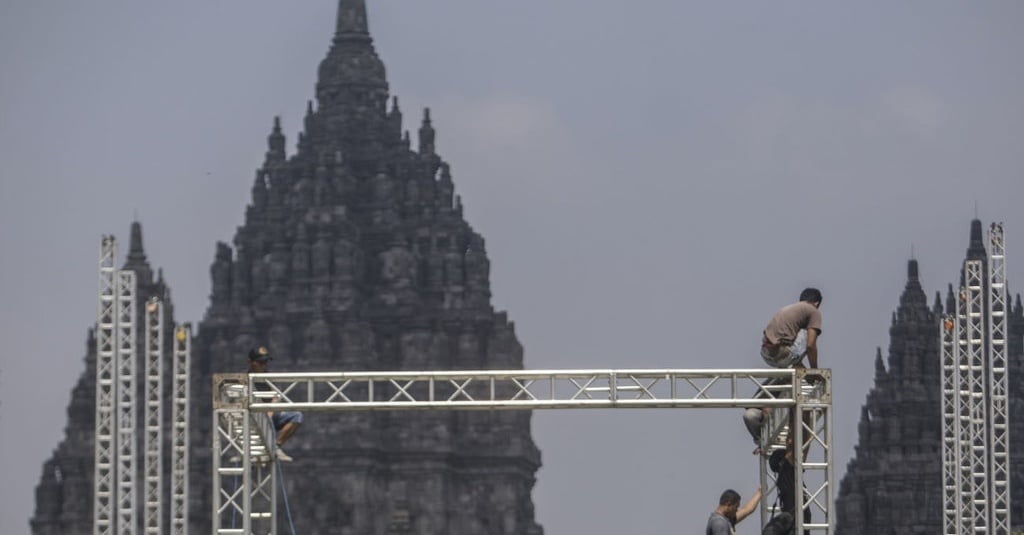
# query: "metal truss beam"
[[951, 476], [152, 470], [812, 416], [127, 421], [104, 470], [179, 429], [998, 410], [516, 389], [243, 463], [974, 344]]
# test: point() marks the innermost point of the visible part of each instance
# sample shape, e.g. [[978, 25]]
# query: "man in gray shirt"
[[793, 333], [729, 513]]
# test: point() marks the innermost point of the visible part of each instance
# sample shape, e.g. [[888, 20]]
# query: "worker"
[[724, 518], [793, 333], [286, 423]]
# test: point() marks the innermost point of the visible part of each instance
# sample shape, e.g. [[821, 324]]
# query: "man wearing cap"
[[286, 423]]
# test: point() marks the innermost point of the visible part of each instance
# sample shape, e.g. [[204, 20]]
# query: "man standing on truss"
[[286, 423]]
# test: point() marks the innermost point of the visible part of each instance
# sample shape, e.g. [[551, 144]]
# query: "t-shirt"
[[719, 525], [789, 320]]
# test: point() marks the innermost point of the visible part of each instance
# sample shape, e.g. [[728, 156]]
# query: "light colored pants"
[[786, 356], [754, 419]]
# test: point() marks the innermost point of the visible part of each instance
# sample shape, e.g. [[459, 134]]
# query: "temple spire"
[[351, 24], [879, 365], [426, 134], [275, 142], [136, 260], [976, 250], [135, 249], [912, 274]]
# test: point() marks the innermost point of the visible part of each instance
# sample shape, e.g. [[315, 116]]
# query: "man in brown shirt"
[[793, 332]]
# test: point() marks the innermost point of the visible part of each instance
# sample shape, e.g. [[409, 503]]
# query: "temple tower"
[[354, 255]]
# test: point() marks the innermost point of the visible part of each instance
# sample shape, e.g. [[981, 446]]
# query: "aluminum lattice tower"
[[126, 409], [104, 471], [153, 470], [179, 429], [975, 442]]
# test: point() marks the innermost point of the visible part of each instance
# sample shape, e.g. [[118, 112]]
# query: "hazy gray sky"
[[653, 180]]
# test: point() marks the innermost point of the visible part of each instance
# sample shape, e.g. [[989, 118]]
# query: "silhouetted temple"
[[354, 255], [894, 482]]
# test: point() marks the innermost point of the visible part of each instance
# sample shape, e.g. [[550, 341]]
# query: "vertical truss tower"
[[106, 342], [179, 429], [975, 441], [153, 440]]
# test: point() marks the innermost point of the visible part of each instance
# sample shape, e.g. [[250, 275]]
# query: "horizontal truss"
[[244, 469], [518, 389]]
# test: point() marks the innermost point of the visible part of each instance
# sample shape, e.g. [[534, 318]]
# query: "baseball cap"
[[259, 354]]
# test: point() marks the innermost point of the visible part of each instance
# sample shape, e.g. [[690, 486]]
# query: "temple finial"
[[426, 134], [275, 142]]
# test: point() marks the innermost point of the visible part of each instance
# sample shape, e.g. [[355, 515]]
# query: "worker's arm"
[[812, 347], [746, 510]]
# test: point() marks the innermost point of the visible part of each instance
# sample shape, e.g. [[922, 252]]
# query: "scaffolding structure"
[[104, 468], [975, 445], [126, 499], [245, 479], [153, 440], [179, 429]]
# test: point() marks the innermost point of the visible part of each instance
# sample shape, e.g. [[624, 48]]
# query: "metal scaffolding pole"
[[179, 430], [104, 471], [951, 476], [974, 344], [126, 445], [812, 413], [153, 438], [998, 411], [244, 479]]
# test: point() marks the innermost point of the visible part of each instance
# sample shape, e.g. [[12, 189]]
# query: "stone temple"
[[894, 482], [354, 255]]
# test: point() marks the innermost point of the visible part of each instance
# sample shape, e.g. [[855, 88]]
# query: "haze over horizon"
[[652, 182]]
